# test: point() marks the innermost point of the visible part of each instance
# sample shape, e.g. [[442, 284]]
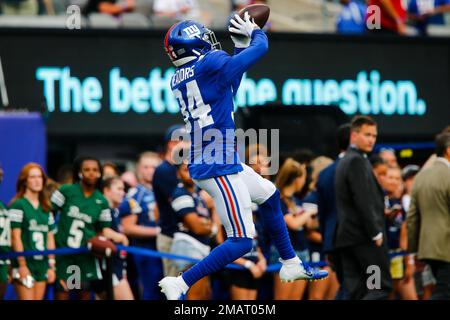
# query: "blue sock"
[[273, 220], [230, 250]]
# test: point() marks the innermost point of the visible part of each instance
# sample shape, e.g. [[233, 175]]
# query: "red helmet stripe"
[[166, 39]]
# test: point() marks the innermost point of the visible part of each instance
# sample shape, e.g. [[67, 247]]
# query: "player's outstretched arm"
[[242, 61]]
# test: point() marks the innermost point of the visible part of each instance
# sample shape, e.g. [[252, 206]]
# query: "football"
[[259, 12], [101, 247]]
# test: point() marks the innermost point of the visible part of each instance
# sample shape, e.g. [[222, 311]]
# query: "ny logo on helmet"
[[192, 31]]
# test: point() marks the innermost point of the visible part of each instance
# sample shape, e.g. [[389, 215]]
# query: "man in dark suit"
[[360, 230]]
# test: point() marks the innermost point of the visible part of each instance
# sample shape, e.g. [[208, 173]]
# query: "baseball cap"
[[177, 129]]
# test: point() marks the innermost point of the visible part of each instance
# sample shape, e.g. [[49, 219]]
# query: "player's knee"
[[271, 189], [276, 195], [243, 245], [274, 198], [267, 190], [247, 245]]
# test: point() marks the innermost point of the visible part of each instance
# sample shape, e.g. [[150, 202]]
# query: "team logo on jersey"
[[192, 31], [132, 192], [74, 212], [134, 206]]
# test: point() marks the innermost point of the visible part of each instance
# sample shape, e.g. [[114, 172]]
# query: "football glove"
[[241, 30]]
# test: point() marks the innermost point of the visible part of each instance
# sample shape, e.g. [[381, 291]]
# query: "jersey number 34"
[[196, 109]]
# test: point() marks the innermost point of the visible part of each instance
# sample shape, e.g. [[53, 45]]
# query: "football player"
[[83, 213], [204, 84], [32, 227]]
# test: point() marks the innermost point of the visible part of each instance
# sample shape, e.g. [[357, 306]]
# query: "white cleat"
[[295, 271], [171, 288]]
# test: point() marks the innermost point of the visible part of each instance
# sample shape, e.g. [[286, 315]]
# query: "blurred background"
[[315, 16], [91, 77]]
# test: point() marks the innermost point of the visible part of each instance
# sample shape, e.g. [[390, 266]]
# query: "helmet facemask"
[[211, 38]]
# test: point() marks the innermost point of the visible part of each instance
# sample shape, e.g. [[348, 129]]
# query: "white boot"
[[293, 269], [173, 287]]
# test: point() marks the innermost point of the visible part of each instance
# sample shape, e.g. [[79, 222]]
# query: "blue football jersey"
[[204, 89], [140, 201], [184, 203], [298, 237], [394, 224]]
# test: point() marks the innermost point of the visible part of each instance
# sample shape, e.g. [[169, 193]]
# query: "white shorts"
[[233, 195]]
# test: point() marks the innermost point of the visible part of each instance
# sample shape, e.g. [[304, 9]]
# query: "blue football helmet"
[[187, 40]]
